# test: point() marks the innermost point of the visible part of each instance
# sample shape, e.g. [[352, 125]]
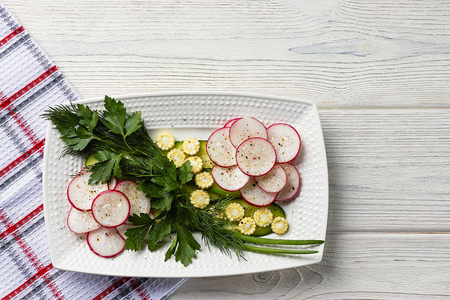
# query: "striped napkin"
[[29, 83]]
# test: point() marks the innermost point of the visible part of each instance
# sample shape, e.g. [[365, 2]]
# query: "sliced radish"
[[138, 200], [246, 128], [229, 123], [255, 196], [81, 194], [274, 181], [112, 183], [286, 141], [81, 221], [105, 242], [219, 148], [292, 185], [230, 179], [111, 208], [256, 156]]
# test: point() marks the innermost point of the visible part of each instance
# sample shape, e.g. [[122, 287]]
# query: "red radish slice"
[[292, 185], [219, 148], [246, 128], [229, 123], [81, 194], [112, 183], [105, 242], [230, 179], [286, 141], [123, 228], [81, 221], [255, 196], [256, 157], [138, 200], [274, 181], [111, 208]]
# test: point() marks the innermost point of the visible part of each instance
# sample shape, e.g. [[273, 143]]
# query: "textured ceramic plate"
[[197, 115]]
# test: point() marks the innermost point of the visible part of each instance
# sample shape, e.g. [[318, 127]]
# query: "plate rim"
[[193, 93], [60, 264]]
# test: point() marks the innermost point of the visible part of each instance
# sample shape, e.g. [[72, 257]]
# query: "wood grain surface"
[[379, 72]]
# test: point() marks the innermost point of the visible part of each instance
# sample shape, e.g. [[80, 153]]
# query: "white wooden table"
[[379, 72]]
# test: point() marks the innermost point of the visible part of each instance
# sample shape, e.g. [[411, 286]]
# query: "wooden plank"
[[388, 169], [355, 266], [336, 53]]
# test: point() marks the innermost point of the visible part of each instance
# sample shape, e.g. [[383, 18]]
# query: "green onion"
[[277, 251], [259, 240]]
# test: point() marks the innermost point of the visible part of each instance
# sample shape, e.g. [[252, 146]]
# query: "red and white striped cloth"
[[29, 83]]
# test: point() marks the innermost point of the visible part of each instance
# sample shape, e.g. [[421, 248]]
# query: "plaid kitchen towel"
[[29, 83]]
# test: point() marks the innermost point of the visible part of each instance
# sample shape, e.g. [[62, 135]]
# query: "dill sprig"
[[211, 225]]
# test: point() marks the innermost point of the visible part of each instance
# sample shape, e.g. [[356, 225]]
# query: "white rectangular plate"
[[196, 115]]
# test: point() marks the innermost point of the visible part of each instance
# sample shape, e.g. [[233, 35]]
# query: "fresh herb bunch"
[[124, 149]]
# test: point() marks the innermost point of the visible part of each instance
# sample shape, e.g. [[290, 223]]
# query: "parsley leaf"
[[167, 173], [109, 164], [165, 202], [187, 245], [88, 118], [141, 219], [184, 174], [166, 183], [150, 189], [165, 167], [133, 123], [104, 155], [136, 235], [161, 199], [114, 116], [80, 140], [171, 249], [158, 232]]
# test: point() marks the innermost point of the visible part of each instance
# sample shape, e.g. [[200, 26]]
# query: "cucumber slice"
[[215, 189], [207, 163], [276, 210], [90, 160]]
